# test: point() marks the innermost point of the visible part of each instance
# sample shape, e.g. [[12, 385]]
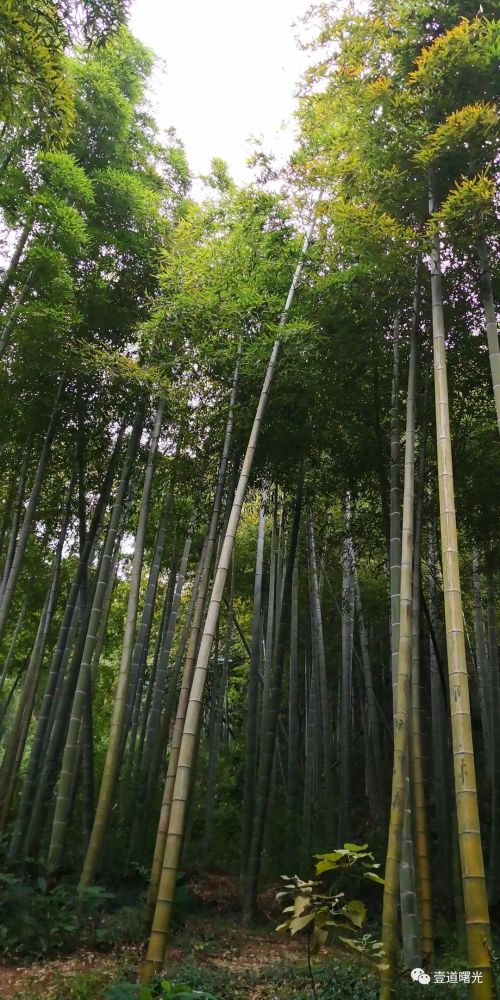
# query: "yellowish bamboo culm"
[[469, 835]]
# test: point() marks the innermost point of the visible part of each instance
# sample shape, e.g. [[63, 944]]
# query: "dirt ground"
[[212, 938]]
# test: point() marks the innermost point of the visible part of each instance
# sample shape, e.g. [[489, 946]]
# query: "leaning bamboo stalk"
[[163, 911]]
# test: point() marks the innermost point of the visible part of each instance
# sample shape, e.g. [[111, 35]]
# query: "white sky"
[[231, 67]]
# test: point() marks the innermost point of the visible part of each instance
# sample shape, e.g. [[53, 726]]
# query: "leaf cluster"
[[321, 911]]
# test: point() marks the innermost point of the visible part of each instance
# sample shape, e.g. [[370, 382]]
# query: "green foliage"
[[40, 920], [33, 67], [324, 912], [469, 209], [34, 79], [473, 125]]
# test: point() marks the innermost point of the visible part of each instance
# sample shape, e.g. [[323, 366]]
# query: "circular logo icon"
[[419, 976]]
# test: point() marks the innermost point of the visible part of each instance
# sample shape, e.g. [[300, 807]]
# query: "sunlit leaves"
[[33, 38], [469, 209], [471, 125], [320, 910]]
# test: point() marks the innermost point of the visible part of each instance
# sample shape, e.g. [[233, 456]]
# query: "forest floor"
[[209, 950], [233, 963]]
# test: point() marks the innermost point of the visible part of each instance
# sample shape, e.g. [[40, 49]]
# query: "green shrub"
[[39, 921]]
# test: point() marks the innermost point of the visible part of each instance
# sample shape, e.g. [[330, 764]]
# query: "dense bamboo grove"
[[250, 478]]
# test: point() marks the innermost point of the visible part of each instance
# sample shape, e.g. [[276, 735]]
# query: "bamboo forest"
[[250, 520]]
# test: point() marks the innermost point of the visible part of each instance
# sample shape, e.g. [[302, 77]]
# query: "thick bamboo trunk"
[[469, 834], [112, 760]]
